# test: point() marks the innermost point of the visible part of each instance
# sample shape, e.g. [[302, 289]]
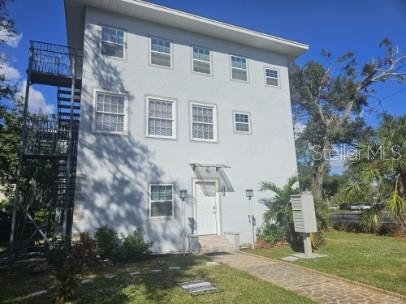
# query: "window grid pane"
[[160, 117], [239, 62], [201, 67], [109, 112], [239, 74], [161, 200]]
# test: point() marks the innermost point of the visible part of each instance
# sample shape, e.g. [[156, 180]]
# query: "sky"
[[337, 26]]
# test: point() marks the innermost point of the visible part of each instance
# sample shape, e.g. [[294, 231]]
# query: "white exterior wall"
[[114, 170]]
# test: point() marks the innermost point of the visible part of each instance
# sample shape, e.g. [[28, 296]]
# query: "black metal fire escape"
[[44, 210]]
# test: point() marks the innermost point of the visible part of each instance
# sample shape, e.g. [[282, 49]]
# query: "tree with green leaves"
[[330, 99], [279, 206], [378, 174], [10, 112], [280, 212]]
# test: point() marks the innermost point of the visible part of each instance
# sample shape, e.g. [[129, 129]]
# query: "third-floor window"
[[112, 42], [239, 68], [201, 60], [272, 77], [161, 52]]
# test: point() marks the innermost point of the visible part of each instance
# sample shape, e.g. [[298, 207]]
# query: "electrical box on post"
[[304, 216]]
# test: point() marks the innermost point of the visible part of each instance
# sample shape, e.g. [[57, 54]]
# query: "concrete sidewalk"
[[316, 286]]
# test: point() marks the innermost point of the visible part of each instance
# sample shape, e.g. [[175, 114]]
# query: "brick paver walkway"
[[318, 287]]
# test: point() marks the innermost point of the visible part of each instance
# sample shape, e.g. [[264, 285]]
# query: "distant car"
[[356, 207], [360, 207], [333, 207]]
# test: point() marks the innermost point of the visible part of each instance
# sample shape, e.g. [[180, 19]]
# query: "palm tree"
[[279, 206], [380, 172]]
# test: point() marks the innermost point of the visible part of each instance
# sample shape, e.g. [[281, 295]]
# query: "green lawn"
[[371, 259], [235, 286]]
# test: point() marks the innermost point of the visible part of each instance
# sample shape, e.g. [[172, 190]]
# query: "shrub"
[[370, 220], [67, 259], [347, 226], [317, 239], [108, 243], [88, 244], [134, 247], [272, 233], [322, 215], [130, 248]]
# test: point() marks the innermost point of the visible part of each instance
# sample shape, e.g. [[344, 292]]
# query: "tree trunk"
[[320, 171], [402, 185], [318, 179]]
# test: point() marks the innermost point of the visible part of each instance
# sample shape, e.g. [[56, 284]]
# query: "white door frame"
[[217, 202]]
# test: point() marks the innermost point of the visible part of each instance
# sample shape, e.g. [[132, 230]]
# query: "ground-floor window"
[[161, 200]]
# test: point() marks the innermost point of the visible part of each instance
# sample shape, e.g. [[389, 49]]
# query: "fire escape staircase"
[[48, 144]]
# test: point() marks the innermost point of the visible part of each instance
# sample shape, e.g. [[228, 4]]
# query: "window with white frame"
[[242, 122], [201, 60], [272, 77], [204, 122], [161, 117], [161, 200], [160, 52], [112, 42], [110, 112], [239, 68]]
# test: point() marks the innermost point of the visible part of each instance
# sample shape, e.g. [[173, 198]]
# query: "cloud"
[[36, 101], [12, 40], [298, 128], [9, 72]]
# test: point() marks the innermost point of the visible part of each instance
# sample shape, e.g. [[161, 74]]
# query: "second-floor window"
[[161, 118], [239, 69], [112, 42], [272, 77], [110, 112], [242, 122], [201, 60], [161, 52], [203, 121]]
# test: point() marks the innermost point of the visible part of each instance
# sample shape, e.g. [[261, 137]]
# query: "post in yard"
[[250, 194]]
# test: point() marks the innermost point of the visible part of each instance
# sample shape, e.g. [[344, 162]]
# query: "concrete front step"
[[214, 243]]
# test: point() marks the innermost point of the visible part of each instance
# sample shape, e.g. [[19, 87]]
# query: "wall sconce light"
[[249, 193], [223, 190], [183, 194]]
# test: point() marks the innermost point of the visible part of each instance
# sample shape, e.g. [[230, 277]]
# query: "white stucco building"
[[172, 101]]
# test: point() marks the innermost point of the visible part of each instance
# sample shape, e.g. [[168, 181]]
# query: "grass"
[[235, 286], [376, 260]]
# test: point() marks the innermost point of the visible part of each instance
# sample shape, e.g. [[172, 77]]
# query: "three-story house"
[[172, 101]]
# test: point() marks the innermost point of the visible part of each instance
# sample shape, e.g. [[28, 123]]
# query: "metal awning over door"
[[213, 171]]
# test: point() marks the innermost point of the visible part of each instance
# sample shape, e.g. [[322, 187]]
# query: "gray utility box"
[[304, 216]]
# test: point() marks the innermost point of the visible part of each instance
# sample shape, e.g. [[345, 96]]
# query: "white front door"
[[206, 209]]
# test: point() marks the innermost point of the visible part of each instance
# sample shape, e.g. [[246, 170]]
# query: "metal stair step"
[[68, 107]]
